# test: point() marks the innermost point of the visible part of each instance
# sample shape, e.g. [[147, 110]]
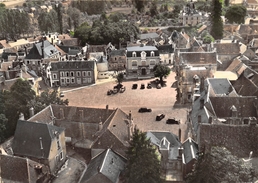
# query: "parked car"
[[109, 92], [134, 86], [144, 109], [160, 117], [173, 121], [149, 86], [142, 86], [158, 86], [61, 94]]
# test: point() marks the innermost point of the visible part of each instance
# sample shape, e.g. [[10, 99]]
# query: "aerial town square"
[[134, 91]]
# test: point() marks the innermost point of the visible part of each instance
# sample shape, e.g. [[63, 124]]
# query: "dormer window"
[[143, 55], [152, 54], [134, 54]]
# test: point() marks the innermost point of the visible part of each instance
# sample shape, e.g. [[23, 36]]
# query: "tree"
[[154, 9], [74, 17], [139, 5], [236, 14], [45, 99], [161, 71], [59, 11], [216, 20], [48, 22], [143, 164], [219, 165]]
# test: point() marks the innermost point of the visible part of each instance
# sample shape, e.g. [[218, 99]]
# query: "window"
[[72, 74], [61, 155], [89, 80], [67, 74], [72, 80], [62, 74], [67, 80], [78, 73], [89, 73], [134, 63], [58, 144], [152, 54], [152, 62], [54, 76], [84, 80], [134, 54], [84, 73], [143, 54], [62, 81], [143, 62]]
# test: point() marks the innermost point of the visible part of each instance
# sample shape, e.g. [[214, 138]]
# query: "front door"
[[143, 71]]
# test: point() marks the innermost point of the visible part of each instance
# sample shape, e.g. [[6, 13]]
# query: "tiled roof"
[[5, 65], [29, 145], [17, 169], [63, 36], [198, 57], [73, 65], [4, 44], [96, 48], [245, 106], [237, 66], [190, 150], [108, 163], [44, 116], [70, 42], [117, 53], [227, 48], [152, 35], [164, 49]]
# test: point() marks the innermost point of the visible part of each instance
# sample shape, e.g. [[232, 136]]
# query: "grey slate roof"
[[163, 49], [152, 35], [108, 163], [117, 53], [190, 150], [73, 65], [27, 138], [220, 85], [36, 51], [141, 48]]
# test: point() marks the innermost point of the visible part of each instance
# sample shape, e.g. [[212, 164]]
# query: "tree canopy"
[[236, 14], [219, 165], [216, 20], [161, 71], [143, 164]]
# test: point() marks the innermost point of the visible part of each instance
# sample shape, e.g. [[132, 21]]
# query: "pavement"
[[159, 100]]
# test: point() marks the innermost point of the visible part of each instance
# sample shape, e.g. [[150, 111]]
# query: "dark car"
[[134, 86], [109, 92], [173, 121], [144, 109], [160, 117], [142, 86], [158, 86], [149, 86]]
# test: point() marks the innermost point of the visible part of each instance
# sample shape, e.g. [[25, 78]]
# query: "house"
[[190, 68], [141, 60], [168, 146], [166, 53], [91, 129], [189, 155], [17, 169], [70, 73], [219, 103], [226, 53], [40, 52], [96, 51], [42, 143], [105, 167], [181, 39], [117, 60], [190, 16]]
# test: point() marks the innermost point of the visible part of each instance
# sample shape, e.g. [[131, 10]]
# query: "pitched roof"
[[37, 134], [158, 139], [198, 57], [36, 51], [70, 42], [220, 86], [244, 105], [44, 116], [164, 49], [141, 48], [73, 65], [117, 53], [152, 35], [237, 66], [108, 163], [190, 150], [17, 169], [227, 48]]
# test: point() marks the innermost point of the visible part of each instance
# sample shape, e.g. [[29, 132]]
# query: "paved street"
[[159, 100]]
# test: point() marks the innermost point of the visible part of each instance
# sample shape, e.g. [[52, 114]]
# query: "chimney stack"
[[130, 115], [179, 134], [61, 113], [31, 112], [100, 125], [21, 116]]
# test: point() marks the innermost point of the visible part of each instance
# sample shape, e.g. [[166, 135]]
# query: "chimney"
[[100, 125], [180, 152], [21, 116], [31, 111], [40, 141], [81, 115], [179, 134], [130, 115], [25, 48], [199, 119], [61, 113], [42, 48], [52, 41], [201, 103], [210, 120]]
